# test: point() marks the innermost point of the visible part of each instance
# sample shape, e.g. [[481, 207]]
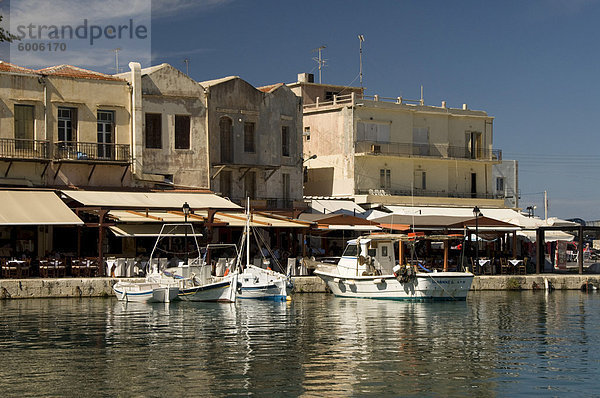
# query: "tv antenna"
[[320, 60], [116, 50], [187, 66], [361, 38]]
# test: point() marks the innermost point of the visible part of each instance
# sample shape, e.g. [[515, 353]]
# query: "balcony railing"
[[429, 193], [14, 148], [426, 150], [94, 151]]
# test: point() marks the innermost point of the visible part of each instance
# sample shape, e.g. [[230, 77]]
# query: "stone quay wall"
[[102, 287]]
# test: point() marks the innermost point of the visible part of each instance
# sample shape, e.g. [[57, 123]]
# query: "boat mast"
[[248, 232]]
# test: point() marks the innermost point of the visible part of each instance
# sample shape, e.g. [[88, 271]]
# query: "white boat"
[[368, 269], [258, 283], [196, 282], [190, 280], [155, 289]]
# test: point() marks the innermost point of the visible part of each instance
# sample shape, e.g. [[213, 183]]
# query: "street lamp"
[[477, 214], [186, 211]]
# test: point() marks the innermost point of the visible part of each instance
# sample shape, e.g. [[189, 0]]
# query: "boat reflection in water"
[[495, 343]]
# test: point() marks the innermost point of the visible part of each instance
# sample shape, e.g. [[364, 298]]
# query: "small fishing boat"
[[190, 280], [259, 283], [369, 268], [155, 289]]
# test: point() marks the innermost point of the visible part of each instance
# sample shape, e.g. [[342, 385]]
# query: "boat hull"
[[424, 286], [145, 292], [272, 291], [262, 284], [222, 291]]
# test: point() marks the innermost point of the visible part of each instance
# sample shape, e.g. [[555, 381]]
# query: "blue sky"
[[532, 65]]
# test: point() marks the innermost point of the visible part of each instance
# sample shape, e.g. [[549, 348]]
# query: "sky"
[[531, 65]]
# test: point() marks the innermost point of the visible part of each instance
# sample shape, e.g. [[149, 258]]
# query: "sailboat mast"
[[248, 233]]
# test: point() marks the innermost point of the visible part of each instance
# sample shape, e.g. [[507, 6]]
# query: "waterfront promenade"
[[102, 287]]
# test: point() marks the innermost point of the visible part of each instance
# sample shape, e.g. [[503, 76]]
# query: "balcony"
[[91, 152], [442, 151], [428, 193], [22, 149]]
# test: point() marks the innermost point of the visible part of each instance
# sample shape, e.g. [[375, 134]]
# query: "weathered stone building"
[[255, 146], [169, 127]]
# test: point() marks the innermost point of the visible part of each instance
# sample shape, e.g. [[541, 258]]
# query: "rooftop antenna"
[[116, 50], [422, 100], [319, 60], [187, 66], [361, 38]]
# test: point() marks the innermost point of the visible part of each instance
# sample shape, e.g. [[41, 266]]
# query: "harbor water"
[[493, 344]]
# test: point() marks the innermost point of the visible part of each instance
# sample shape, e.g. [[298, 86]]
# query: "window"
[[377, 132], [307, 133], [421, 141], [420, 181], [67, 124], [225, 127], [250, 185], [330, 94], [182, 132], [474, 145], [153, 130], [285, 182], [384, 251], [499, 184], [249, 137], [285, 141], [385, 179], [225, 183], [106, 123], [24, 126], [351, 251]]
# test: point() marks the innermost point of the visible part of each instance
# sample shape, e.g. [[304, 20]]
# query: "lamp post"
[[186, 211], [476, 213]]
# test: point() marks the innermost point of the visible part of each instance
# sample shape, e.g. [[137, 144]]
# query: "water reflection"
[[493, 344]]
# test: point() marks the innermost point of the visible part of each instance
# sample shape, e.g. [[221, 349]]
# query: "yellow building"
[[63, 126], [395, 151]]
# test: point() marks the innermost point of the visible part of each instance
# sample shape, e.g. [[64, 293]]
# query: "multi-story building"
[[395, 151], [169, 127], [255, 146], [506, 182], [63, 126]]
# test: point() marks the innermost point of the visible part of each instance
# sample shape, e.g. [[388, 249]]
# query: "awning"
[[150, 230], [322, 227], [35, 208], [229, 218], [549, 236], [150, 200]]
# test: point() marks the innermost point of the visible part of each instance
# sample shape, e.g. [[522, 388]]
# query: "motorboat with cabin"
[[372, 267]]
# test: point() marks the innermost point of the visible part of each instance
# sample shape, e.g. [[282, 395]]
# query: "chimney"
[[306, 78], [136, 118]]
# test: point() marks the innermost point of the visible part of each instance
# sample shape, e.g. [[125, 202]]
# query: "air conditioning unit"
[[376, 148]]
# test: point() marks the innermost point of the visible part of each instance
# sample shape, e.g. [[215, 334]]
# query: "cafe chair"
[[504, 266]]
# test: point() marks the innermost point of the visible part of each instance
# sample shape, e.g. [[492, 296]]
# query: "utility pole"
[[361, 38], [319, 60]]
